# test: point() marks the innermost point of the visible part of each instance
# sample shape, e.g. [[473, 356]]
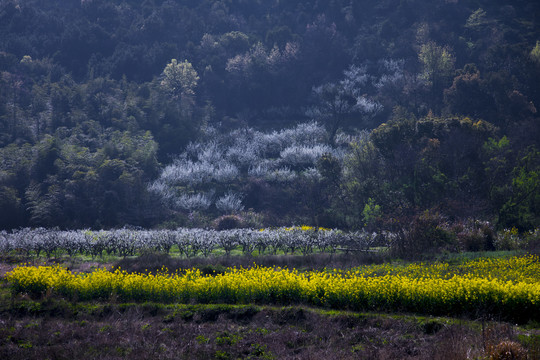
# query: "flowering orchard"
[[203, 177], [503, 288], [188, 242]]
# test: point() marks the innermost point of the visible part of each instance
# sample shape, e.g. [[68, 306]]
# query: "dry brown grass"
[[155, 261], [56, 329]]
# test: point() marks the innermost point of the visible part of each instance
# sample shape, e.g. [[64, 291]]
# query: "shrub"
[[532, 240], [475, 235], [427, 233], [508, 239], [227, 222], [506, 350]]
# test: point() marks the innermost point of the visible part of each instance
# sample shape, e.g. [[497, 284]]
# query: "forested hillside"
[[351, 114]]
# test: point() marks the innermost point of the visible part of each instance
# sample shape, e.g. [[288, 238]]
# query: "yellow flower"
[[510, 285]]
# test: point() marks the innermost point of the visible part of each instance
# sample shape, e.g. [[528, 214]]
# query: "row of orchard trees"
[[426, 234], [187, 242]]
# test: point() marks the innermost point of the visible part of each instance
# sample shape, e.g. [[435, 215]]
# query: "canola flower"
[[507, 288], [305, 228]]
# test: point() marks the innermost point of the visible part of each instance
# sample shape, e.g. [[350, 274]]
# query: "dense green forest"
[[351, 114]]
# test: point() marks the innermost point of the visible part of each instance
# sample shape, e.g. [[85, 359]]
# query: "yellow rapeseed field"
[[507, 288]]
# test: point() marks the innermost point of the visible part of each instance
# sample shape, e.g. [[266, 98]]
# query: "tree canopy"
[[108, 108]]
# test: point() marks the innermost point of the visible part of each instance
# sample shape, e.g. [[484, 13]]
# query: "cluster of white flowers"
[[186, 172], [304, 156], [199, 201], [230, 203], [276, 157], [258, 56], [392, 72]]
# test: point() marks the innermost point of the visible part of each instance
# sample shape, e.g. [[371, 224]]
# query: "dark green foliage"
[[11, 210], [227, 222], [523, 208], [425, 234], [475, 235], [84, 117]]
